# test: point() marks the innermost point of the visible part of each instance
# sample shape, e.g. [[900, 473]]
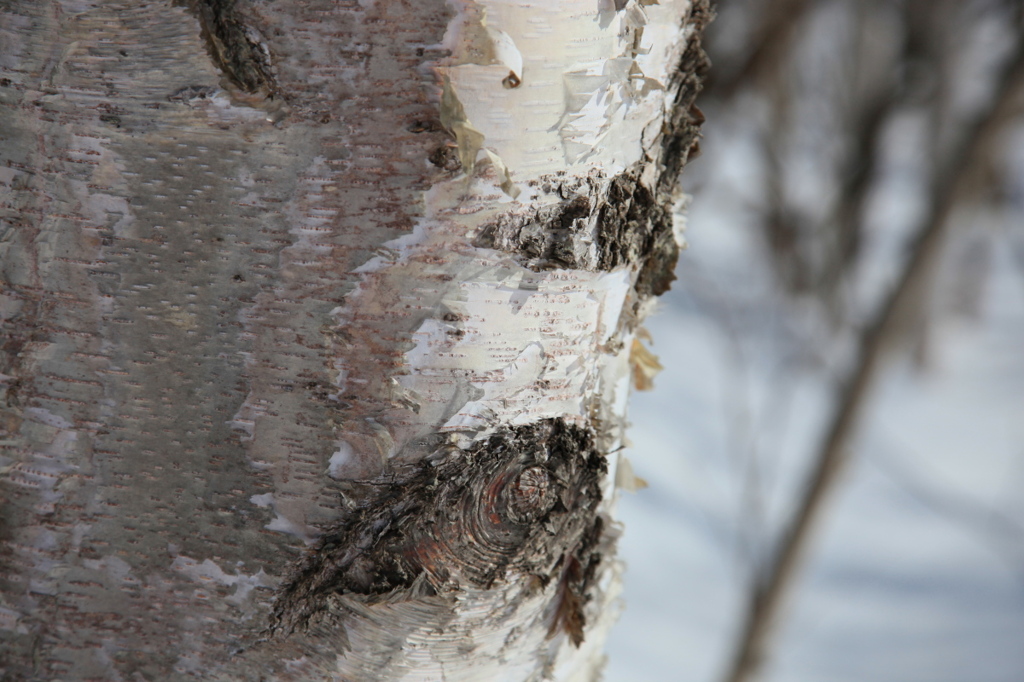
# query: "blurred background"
[[835, 448]]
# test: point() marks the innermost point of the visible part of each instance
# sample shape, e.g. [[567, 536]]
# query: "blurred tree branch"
[[770, 44], [950, 180]]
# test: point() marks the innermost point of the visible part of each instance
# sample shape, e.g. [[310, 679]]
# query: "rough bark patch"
[[682, 129], [550, 238], [235, 48], [634, 227], [599, 226], [523, 500]]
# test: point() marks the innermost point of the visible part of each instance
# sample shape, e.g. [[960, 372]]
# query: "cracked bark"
[[307, 376]]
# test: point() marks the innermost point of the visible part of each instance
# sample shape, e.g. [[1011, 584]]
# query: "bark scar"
[[521, 501], [236, 48]]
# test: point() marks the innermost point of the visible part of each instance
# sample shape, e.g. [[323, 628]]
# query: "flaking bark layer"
[[601, 224], [524, 501]]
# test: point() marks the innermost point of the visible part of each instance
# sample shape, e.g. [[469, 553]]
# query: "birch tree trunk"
[[318, 323]]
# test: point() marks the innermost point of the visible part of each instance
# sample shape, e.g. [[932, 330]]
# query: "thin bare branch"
[[867, 127]]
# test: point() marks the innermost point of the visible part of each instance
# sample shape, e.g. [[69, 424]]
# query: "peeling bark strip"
[[235, 48], [603, 224], [523, 500]]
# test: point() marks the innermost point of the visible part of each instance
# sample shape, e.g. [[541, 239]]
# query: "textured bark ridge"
[[626, 220], [516, 506]]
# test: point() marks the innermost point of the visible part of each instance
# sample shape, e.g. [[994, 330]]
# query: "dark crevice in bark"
[[20, 332], [525, 499], [629, 222], [235, 48]]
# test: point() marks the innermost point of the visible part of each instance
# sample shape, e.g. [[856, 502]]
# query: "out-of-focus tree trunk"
[[318, 323], [846, 83]]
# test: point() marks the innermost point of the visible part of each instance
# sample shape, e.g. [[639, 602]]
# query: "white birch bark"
[[317, 329]]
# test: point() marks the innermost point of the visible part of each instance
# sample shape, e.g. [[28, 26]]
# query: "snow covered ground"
[[917, 572]]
